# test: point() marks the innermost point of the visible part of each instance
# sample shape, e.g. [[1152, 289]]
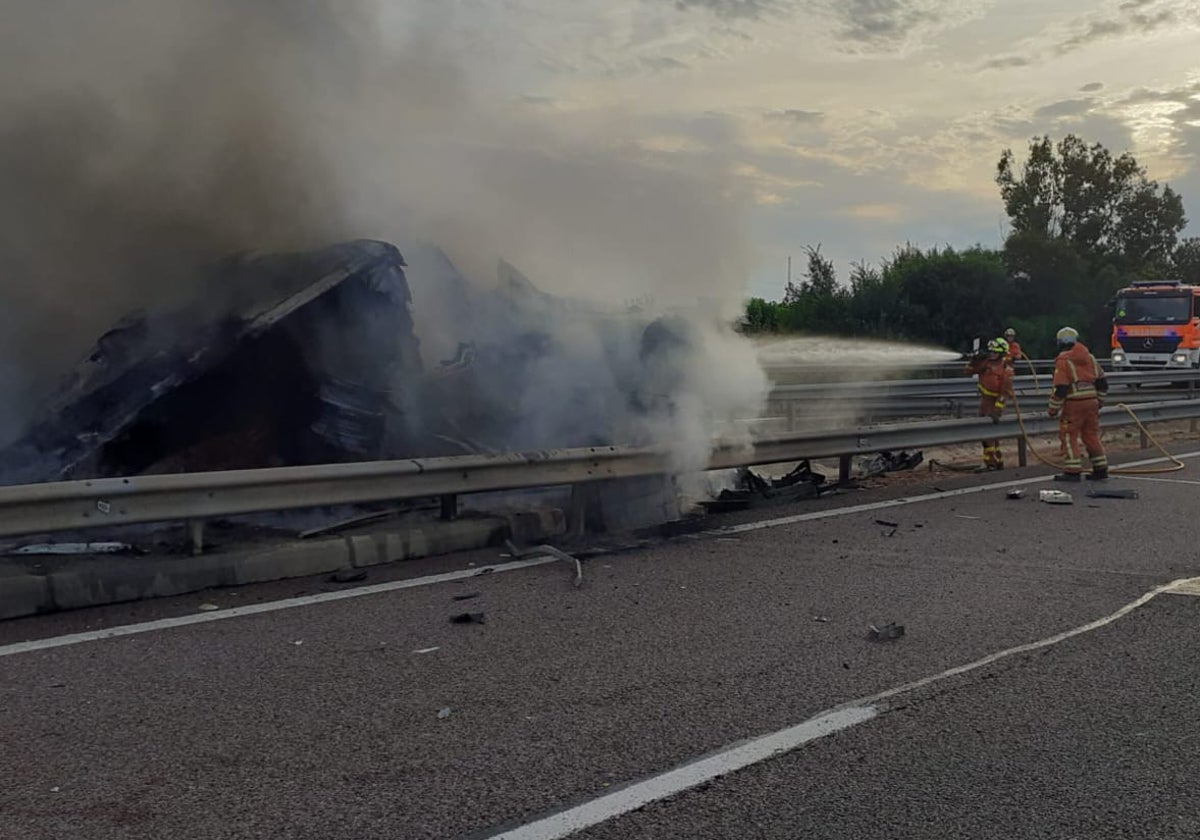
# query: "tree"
[[1186, 260], [821, 276], [1102, 206], [948, 297]]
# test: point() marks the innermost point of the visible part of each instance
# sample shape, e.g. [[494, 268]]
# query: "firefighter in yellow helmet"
[[995, 384]]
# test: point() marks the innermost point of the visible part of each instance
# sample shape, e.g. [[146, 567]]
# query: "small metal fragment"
[[886, 632]]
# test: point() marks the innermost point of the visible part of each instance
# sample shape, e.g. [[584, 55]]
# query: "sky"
[[853, 125]]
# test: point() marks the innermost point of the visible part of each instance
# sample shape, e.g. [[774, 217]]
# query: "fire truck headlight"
[[1118, 356], [1180, 359]]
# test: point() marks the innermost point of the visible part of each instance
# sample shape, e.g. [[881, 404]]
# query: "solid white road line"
[[412, 583], [270, 606], [1163, 480], [941, 494], [738, 756]]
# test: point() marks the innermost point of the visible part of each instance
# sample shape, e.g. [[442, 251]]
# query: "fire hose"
[[1175, 466]]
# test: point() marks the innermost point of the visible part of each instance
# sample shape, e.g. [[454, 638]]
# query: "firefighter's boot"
[[1098, 474], [1076, 477]]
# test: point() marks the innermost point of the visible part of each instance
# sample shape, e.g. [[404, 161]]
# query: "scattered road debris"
[[821, 619], [208, 607], [348, 576], [298, 642], [1113, 493], [75, 548], [1017, 493], [538, 550], [443, 713], [752, 490], [466, 596], [885, 462], [885, 632], [1055, 497], [887, 524], [469, 618], [427, 650], [964, 516]]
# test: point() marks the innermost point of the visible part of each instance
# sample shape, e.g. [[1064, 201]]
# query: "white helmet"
[[1067, 335]]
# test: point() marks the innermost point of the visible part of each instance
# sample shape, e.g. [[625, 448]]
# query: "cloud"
[[1092, 87], [1005, 62], [874, 212], [1129, 19], [795, 115], [662, 63], [1065, 108], [735, 8], [878, 22], [889, 26]]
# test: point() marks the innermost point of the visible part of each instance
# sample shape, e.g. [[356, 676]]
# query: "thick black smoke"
[[140, 139]]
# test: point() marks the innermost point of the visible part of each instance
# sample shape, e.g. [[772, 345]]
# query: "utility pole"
[[789, 269]]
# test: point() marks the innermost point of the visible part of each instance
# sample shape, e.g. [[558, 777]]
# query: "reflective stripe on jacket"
[[1077, 376]]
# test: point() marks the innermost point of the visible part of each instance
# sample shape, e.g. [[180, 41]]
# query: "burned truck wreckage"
[[315, 357]]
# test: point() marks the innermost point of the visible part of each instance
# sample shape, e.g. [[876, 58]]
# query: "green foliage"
[[1185, 262], [1100, 205]]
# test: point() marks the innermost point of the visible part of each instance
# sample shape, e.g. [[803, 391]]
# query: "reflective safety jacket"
[[995, 378], [1014, 352], [1077, 376]]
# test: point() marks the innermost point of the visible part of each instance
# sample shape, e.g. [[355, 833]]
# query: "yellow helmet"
[[998, 345]]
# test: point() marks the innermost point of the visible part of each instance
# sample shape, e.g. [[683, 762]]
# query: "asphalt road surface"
[[374, 716]]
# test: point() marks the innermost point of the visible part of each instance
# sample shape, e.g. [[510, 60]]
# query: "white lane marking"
[[307, 600], [1163, 480], [907, 500], [682, 778], [741, 755], [270, 606]]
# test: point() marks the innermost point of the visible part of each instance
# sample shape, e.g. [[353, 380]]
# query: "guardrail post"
[[1022, 452], [195, 529], [791, 415], [843, 469], [1145, 441], [449, 507], [1192, 396], [577, 516]]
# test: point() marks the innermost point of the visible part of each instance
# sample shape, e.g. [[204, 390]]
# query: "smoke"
[[141, 139]]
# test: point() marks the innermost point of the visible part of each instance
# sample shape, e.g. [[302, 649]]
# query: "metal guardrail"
[[795, 411], [60, 506], [960, 385]]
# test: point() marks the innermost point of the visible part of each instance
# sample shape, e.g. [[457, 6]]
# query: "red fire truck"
[[1156, 324]]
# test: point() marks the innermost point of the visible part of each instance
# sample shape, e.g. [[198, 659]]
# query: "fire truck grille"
[[1149, 345]]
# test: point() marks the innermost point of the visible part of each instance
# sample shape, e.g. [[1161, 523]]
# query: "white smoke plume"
[[140, 139]]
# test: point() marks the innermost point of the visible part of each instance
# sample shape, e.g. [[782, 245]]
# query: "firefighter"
[[1014, 349], [1078, 387], [995, 384]]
